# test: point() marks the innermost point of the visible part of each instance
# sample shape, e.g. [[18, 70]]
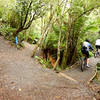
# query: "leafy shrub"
[[45, 63], [32, 37], [51, 40], [13, 18], [7, 31]]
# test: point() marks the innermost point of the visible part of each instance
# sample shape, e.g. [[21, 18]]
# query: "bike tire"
[[95, 55], [82, 65]]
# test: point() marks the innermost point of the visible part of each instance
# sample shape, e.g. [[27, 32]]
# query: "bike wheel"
[[95, 54], [82, 65]]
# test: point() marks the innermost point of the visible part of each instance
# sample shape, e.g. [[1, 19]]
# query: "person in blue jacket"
[[85, 50]]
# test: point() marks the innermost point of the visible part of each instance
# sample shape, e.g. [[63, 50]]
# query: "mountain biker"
[[85, 50], [97, 44]]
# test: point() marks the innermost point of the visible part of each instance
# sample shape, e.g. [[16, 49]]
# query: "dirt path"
[[22, 78], [87, 75]]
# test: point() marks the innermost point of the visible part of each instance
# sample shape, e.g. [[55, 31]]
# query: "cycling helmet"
[[87, 40]]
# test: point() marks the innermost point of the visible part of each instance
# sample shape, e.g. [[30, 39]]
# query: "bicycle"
[[83, 64], [96, 54]]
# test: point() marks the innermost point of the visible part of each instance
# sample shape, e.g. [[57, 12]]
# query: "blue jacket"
[[87, 45]]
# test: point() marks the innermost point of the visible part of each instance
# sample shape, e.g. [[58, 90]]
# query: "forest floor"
[[23, 78]]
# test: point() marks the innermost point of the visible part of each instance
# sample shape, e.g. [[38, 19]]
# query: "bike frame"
[[97, 53]]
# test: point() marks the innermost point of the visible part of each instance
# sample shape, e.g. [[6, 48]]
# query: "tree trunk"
[[40, 41], [64, 59], [58, 52], [37, 45], [17, 31], [45, 32], [63, 65]]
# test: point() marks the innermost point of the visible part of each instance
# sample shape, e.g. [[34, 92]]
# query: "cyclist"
[[85, 50], [97, 44]]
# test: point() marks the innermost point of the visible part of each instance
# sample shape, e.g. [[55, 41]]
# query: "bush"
[[7, 31], [45, 63], [32, 37]]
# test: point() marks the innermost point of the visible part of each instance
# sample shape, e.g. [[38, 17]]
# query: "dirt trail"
[[87, 75], [22, 78]]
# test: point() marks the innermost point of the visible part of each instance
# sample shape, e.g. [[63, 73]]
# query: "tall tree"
[[28, 11], [45, 31], [77, 17]]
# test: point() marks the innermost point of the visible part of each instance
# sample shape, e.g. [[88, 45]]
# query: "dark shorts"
[[97, 46], [85, 52]]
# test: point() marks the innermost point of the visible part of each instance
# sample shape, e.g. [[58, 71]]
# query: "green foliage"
[[91, 54], [13, 19], [7, 31], [51, 41], [20, 37], [31, 38], [45, 63], [97, 77], [20, 45], [29, 10], [0, 13], [58, 68], [33, 32]]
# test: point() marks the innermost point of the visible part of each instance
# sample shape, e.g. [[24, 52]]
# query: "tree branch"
[[32, 18], [27, 13], [85, 13], [30, 22], [21, 19]]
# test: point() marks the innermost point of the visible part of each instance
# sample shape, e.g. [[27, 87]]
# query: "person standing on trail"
[[97, 44], [85, 50]]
